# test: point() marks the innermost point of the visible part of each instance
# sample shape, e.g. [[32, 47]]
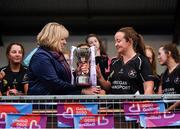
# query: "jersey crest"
[[132, 73], [177, 80]]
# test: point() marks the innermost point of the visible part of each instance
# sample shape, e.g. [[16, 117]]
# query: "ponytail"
[[140, 46]]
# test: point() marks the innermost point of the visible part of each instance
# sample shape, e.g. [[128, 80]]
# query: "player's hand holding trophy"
[[83, 60]]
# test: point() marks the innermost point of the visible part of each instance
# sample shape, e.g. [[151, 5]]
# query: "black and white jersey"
[[129, 78], [13, 79], [171, 81]]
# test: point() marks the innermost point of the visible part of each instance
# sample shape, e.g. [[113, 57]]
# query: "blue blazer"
[[47, 76]]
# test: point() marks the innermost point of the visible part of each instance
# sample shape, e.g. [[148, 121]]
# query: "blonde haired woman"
[[49, 72]]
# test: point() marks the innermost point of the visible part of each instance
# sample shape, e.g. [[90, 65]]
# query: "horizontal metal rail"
[[93, 97]]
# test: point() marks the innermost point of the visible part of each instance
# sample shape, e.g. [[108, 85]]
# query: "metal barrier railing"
[[107, 104]]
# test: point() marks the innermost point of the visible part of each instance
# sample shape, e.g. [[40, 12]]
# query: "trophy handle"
[[93, 77], [73, 48]]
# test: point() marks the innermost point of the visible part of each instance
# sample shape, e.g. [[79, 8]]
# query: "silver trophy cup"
[[83, 57]]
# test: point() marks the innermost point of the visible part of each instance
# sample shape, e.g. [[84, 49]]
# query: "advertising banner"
[[6, 108], [160, 119], [26, 121], [98, 121], [133, 109], [66, 112]]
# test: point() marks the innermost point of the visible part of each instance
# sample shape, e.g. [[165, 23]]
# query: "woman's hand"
[[83, 68], [93, 91], [102, 92], [90, 90], [12, 92]]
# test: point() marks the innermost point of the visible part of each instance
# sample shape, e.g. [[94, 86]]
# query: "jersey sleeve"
[[1, 81], [25, 78], [0, 85], [146, 70]]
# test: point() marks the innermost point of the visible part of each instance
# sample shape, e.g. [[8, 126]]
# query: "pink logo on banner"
[[160, 119], [133, 109], [94, 121], [67, 111], [31, 121]]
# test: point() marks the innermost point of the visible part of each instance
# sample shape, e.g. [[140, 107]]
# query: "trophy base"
[[82, 81]]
